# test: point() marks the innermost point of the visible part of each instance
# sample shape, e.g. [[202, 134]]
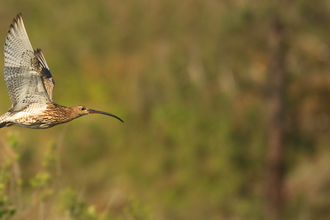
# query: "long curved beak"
[[92, 111]]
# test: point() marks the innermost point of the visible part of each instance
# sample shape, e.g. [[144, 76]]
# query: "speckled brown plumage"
[[57, 114], [30, 86]]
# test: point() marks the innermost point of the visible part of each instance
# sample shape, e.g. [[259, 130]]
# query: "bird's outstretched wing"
[[24, 69]]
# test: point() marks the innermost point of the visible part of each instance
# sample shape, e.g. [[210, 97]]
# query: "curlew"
[[30, 86]]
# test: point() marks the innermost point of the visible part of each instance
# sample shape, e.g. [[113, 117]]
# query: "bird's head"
[[80, 110]]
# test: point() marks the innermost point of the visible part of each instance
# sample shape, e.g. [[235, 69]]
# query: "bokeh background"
[[190, 79]]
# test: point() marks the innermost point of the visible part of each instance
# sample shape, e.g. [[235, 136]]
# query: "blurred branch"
[[274, 182], [59, 146]]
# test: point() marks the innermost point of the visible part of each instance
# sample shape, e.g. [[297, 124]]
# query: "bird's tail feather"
[[3, 124], [3, 120]]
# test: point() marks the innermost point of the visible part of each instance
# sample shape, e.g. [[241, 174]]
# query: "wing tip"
[[38, 50], [18, 19], [11, 27]]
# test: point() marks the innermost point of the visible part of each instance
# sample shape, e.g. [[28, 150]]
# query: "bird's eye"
[[83, 108]]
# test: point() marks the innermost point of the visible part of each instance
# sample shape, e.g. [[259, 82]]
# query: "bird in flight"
[[30, 86]]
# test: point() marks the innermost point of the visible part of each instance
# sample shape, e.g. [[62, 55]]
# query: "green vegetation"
[[189, 78]]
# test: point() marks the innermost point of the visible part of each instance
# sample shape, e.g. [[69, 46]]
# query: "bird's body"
[[38, 116], [30, 86]]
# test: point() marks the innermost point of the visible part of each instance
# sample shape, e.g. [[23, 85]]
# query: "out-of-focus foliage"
[[189, 78]]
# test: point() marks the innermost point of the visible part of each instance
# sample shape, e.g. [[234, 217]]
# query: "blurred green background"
[[190, 79]]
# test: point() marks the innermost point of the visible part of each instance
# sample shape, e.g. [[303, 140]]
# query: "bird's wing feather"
[[46, 75], [23, 71]]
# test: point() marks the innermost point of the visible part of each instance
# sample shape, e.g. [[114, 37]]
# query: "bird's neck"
[[63, 113]]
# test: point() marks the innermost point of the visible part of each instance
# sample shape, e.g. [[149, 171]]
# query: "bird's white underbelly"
[[31, 117]]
